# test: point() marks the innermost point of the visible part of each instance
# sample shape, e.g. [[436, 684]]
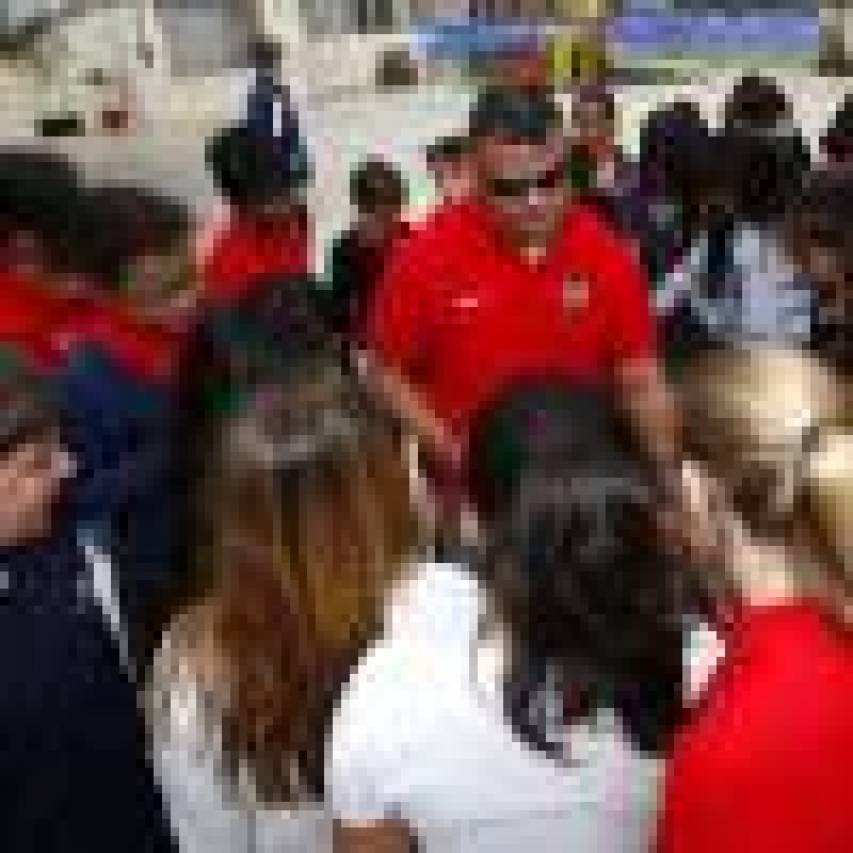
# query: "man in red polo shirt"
[[518, 283]]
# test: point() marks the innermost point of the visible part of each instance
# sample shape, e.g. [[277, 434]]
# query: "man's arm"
[[639, 377], [651, 407]]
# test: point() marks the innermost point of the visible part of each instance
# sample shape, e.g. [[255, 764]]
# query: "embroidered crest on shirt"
[[575, 293]]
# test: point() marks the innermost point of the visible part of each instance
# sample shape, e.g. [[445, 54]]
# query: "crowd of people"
[[522, 525]]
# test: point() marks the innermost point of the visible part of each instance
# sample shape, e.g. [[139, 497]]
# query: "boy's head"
[[33, 460], [757, 103], [256, 174], [379, 195], [38, 195], [450, 164], [156, 270]]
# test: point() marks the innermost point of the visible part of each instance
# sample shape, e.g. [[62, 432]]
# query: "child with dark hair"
[[379, 194], [269, 232], [73, 771]]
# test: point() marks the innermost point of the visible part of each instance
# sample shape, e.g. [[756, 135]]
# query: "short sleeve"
[[187, 764], [400, 318], [384, 755], [367, 750], [632, 324]]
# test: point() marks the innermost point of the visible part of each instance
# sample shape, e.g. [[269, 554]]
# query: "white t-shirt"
[[207, 812], [421, 735], [771, 303]]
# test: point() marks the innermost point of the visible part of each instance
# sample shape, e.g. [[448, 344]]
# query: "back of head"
[[765, 174], [306, 519], [251, 169], [535, 424], [757, 102], [772, 427], [581, 581], [673, 146]]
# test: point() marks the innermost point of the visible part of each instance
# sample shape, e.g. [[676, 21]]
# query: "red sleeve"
[[736, 786], [399, 321], [631, 320]]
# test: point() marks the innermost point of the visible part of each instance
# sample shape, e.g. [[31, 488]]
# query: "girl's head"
[[578, 577], [770, 431], [306, 518]]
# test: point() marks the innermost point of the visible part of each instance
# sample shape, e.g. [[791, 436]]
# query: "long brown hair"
[[306, 524]]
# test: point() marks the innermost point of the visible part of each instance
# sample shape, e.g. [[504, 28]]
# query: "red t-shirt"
[[29, 312], [462, 316], [45, 326], [248, 250], [146, 350], [764, 766]]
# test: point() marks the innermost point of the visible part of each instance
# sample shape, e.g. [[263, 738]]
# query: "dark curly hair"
[[582, 579]]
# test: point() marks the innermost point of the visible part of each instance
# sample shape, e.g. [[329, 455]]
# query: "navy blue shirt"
[[73, 767]]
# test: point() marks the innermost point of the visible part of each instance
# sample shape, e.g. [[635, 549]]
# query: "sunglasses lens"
[[516, 188]]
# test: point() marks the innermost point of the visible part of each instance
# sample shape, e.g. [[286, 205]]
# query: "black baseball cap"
[[525, 114]]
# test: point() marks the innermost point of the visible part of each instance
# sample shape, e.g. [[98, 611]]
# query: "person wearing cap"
[[521, 281], [73, 769]]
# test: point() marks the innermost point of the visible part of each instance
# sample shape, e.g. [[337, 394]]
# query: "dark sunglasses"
[[516, 188]]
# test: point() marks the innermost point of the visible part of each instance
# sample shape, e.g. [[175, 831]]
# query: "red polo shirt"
[[764, 767], [462, 315]]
